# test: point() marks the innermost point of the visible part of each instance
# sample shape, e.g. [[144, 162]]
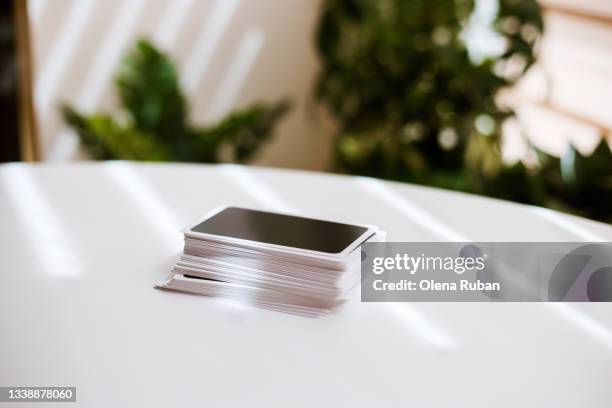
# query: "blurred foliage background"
[[415, 104], [413, 98], [154, 125]]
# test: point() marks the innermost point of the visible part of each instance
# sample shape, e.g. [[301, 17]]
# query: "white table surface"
[[81, 246]]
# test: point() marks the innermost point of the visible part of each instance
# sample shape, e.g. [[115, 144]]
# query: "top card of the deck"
[[282, 232]]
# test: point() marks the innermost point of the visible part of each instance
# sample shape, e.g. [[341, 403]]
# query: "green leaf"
[[243, 131], [149, 90], [106, 140]]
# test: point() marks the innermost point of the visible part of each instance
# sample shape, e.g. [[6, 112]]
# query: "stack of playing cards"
[[276, 261]]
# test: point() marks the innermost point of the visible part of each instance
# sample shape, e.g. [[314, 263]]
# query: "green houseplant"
[[155, 123], [413, 104]]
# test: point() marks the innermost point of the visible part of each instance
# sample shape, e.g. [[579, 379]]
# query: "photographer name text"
[[430, 285]]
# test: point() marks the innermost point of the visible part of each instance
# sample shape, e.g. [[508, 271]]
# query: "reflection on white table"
[[83, 244]]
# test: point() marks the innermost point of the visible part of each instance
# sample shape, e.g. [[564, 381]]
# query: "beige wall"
[[229, 52]]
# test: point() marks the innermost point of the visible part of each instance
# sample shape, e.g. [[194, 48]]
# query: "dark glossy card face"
[[279, 229]]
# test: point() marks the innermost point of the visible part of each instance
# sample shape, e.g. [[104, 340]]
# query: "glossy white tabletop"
[[81, 246]]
